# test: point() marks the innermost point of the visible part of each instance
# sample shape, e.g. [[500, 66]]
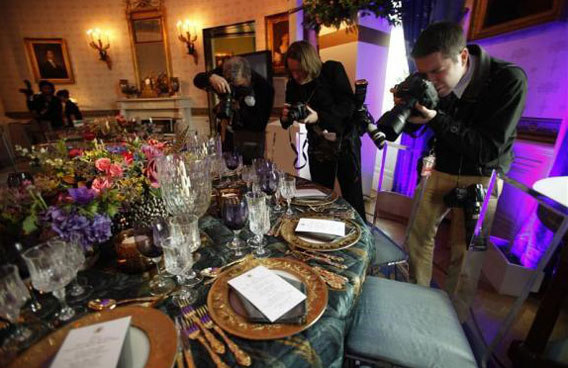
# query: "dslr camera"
[[471, 200], [415, 88], [226, 100], [298, 112]]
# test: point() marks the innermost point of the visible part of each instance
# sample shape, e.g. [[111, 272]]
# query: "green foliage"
[[333, 13]]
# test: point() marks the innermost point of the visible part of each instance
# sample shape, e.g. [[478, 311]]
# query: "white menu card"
[[268, 292], [310, 225], [94, 346], [309, 192]]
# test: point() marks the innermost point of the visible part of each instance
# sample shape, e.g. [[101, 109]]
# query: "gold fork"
[[192, 331], [242, 357], [189, 313]]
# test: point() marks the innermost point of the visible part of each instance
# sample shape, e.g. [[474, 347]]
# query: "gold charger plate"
[[324, 201], [226, 314], [288, 232], [158, 327]]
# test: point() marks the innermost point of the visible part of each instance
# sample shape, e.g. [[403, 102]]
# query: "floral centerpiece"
[[81, 191]]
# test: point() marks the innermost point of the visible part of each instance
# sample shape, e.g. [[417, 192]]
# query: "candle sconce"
[[187, 34], [100, 41]]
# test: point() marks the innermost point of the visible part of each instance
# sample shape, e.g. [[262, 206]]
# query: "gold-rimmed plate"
[[289, 234], [153, 333], [329, 198], [229, 316]]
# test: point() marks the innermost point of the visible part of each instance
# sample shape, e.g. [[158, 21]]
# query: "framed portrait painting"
[[277, 40], [49, 59], [494, 17]]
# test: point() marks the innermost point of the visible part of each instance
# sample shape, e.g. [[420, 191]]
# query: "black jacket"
[[72, 111], [478, 132], [46, 108], [253, 118], [330, 95]]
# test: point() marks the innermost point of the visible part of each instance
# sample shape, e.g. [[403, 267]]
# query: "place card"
[[310, 192], [311, 225], [94, 346], [267, 291]]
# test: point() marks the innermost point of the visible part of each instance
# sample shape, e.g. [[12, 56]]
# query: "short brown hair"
[[444, 37], [306, 54]]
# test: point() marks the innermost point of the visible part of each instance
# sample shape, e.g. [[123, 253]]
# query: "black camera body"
[[471, 200], [415, 88], [363, 120], [298, 111], [226, 105]]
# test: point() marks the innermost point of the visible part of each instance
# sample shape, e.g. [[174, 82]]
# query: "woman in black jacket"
[[334, 144]]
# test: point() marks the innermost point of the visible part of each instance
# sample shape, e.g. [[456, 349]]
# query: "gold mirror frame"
[[143, 10]]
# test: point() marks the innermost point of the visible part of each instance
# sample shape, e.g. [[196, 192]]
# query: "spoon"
[[102, 304], [216, 271]]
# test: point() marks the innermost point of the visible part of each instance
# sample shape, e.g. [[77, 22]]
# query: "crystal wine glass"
[[13, 295], [278, 193], [186, 228], [148, 243], [51, 272], [178, 261], [269, 181], [259, 221], [235, 214], [76, 255], [288, 192]]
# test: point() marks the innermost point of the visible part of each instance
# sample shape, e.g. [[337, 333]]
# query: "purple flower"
[[116, 149], [99, 229], [82, 195]]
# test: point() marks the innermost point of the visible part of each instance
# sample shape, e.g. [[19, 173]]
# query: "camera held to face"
[[415, 88], [471, 200], [298, 112]]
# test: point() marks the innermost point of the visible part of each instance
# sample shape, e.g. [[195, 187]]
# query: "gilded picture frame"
[[491, 17], [49, 60], [277, 40]]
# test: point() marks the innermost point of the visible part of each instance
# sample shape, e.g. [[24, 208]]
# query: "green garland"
[[331, 13]]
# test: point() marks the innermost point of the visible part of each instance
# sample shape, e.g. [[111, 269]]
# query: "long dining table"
[[320, 345]]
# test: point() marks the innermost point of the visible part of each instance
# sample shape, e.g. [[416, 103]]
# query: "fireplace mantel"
[[177, 108]]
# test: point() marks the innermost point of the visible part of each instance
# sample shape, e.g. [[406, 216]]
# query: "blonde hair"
[[307, 56]]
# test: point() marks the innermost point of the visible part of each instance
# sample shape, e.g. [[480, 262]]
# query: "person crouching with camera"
[[474, 125], [320, 96], [246, 100]]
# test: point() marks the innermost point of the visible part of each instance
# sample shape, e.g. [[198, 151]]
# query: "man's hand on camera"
[[312, 118], [425, 115], [219, 84]]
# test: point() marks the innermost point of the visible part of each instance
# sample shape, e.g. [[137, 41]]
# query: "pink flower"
[[151, 173], [100, 184], [128, 157], [103, 164], [115, 170]]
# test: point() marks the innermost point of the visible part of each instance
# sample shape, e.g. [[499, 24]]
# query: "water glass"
[[178, 261], [50, 271], [278, 193], [13, 295], [288, 192]]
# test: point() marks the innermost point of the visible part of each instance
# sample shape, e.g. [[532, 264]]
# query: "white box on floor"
[[506, 277]]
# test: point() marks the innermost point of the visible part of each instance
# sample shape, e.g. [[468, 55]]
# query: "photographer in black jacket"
[[482, 99], [251, 100], [326, 96]]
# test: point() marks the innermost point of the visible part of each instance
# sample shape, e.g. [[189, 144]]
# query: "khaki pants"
[[465, 267]]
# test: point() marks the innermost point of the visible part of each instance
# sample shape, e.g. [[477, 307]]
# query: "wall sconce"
[[188, 35], [100, 41]]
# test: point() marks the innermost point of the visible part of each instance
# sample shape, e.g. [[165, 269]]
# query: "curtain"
[[417, 15]]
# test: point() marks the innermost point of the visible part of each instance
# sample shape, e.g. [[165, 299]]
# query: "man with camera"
[[319, 95], [46, 109], [246, 100], [474, 125]]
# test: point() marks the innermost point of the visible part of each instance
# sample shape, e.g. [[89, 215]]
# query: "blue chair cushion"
[[408, 325]]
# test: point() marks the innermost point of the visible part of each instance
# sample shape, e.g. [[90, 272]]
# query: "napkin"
[[324, 237], [296, 315]]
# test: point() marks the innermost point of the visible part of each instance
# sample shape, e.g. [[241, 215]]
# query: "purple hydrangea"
[[69, 225], [82, 195]]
